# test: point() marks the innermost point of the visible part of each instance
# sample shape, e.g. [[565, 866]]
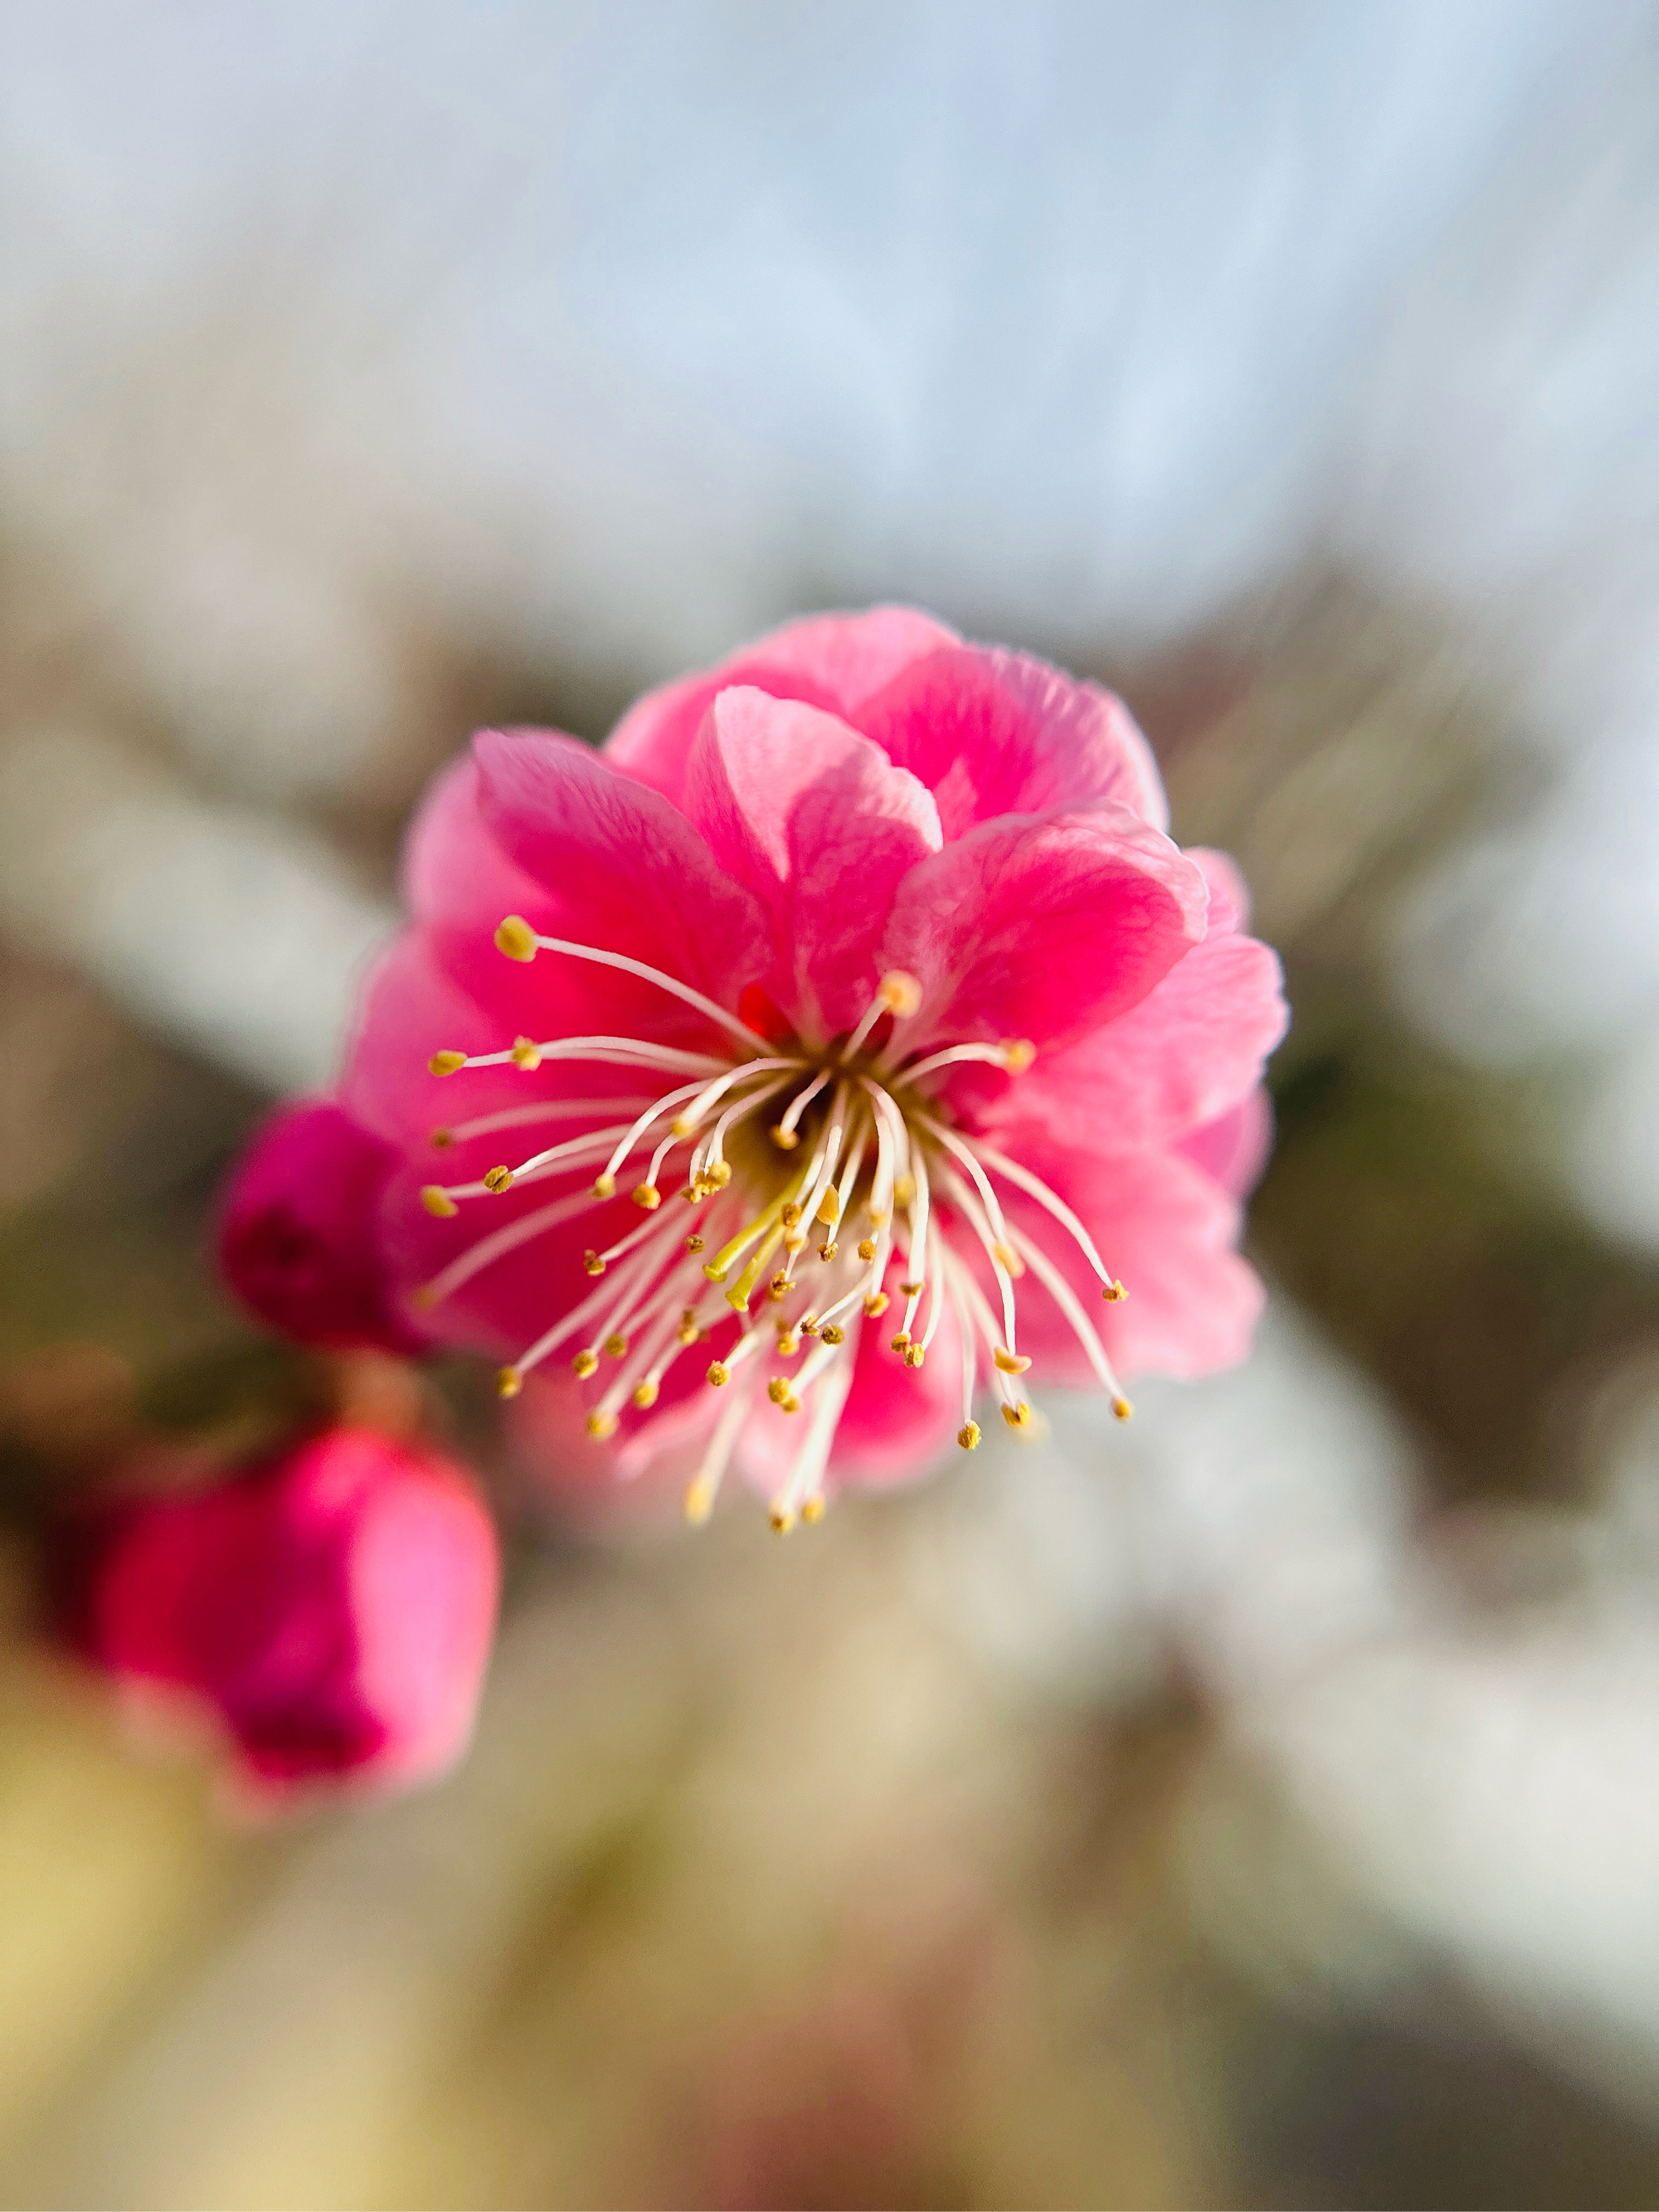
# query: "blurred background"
[[1259, 1807]]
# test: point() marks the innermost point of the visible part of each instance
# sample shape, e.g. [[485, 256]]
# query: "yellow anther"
[[879, 1220], [438, 1202], [968, 1436], [779, 1288], [904, 1192], [866, 1248], [808, 1324], [645, 1395], [688, 1332], [1018, 1056], [509, 1382], [1011, 1362], [781, 1518], [784, 1139], [498, 1179], [527, 1055], [913, 1355], [719, 1373], [443, 1139], [812, 1508], [911, 1289], [793, 1241], [604, 1186], [516, 938], [789, 1405], [592, 1263], [828, 1251], [586, 1363], [699, 1500], [777, 1390], [828, 1207], [1122, 1408], [1017, 1416], [679, 1127], [900, 992], [645, 1196], [834, 1333], [601, 1425], [900, 1341], [1010, 1259], [719, 1172], [615, 1345], [1114, 1294], [446, 1063], [790, 1215], [693, 1242], [788, 1343], [876, 1303], [695, 1192]]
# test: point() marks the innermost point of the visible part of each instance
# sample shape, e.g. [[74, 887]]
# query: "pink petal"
[[625, 870], [1230, 894], [820, 825], [1040, 926], [454, 871], [1193, 1047], [1233, 1150], [831, 661], [992, 732]]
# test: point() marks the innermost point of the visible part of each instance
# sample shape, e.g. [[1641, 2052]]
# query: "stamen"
[[637, 1129], [740, 1030], [545, 1109], [973, 1213], [499, 1243], [626, 1052], [706, 1483], [612, 1293], [892, 1143], [784, 1134], [712, 1151], [1015, 1057], [685, 1123], [1037, 1189], [897, 994], [1069, 1304]]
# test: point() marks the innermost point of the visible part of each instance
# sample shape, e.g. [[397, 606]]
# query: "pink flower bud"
[[298, 1230], [333, 1607]]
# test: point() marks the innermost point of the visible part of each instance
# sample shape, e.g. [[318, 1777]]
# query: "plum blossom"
[[845, 1045], [331, 1609]]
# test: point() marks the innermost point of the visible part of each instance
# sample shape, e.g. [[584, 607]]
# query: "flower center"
[[816, 1179]]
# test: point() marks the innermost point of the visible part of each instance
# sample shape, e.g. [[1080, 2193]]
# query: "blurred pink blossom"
[[873, 946], [297, 1230], [333, 1607]]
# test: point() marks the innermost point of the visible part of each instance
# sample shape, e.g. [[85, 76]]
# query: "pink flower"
[[333, 1607], [873, 947]]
